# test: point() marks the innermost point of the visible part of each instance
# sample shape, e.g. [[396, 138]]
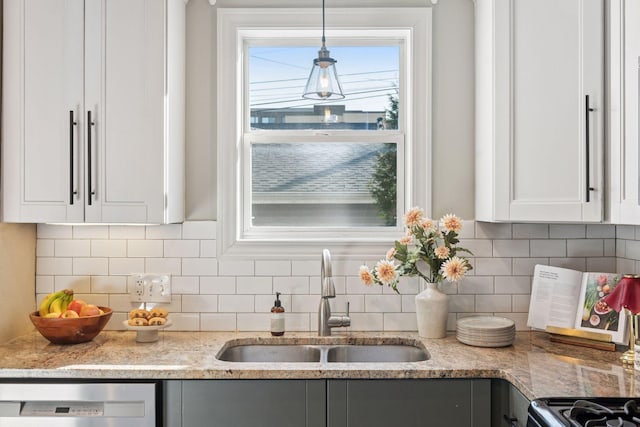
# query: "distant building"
[[318, 117]]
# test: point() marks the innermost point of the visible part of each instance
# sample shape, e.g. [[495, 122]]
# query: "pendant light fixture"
[[323, 80]]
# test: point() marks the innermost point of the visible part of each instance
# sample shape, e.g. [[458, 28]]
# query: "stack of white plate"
[[486, 331]]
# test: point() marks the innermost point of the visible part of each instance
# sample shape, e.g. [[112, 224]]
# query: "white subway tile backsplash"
[[585, 247], [513, 285], [108, 284], [185, 285], [305, 268], [199, 230], [493, 303], [181, 248], [169, 231], [91, 266], [520, 303], [493, 266], [208, 248], [355, 286], [49, 231], [462, 303], [383, 303], [109, 248], [254, 321], [45, 247], [567, 231], [491, 230], [530, 231], [237, 294], [144, 248], [304, 303], [79, 284], [511, 248], [291, 285], [604, 265], [478, 247], [174, 266], [400, 322], [217, 321], [476, 285], [254, 285], [627, 232], [572, 263], [90, 231], [126, 232], [601, 231], [236, 268], [633, 249], [548, 248], [273, 268], [54, 266], [203, 303], [44, 285], [217, 285], [126, 265], [72, 248], [367, 322], [236, 303]]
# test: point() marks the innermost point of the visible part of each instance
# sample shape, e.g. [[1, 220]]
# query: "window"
[[293, 172]]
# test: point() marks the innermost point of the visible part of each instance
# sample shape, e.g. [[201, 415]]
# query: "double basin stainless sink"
[[383, 351]]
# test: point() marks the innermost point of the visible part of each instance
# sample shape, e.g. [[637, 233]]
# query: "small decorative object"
[[428, 250], [626, 295]]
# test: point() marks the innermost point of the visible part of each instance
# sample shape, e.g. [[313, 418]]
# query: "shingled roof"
[[313, 167]]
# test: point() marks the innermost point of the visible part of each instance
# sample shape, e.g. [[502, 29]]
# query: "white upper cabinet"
[[539, 110], [93, 111], [624, 92]]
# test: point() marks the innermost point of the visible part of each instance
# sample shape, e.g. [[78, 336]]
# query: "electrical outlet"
[[151, 287]]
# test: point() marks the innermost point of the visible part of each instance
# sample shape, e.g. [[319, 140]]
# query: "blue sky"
[[367, 75]]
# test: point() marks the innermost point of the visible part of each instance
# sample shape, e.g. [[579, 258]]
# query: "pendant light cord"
[[323, 39]]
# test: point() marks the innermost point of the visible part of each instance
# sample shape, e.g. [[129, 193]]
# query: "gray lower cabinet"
[[328, 403], [245, 403], [508, 406], [409, 403]]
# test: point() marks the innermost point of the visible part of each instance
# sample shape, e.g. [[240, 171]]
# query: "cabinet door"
[[509, 407], [540, 106], [408, 403], [125, 93], [250, 403], [624, 88], [42, 99]]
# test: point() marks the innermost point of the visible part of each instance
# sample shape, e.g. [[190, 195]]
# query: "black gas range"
[[587, 412]]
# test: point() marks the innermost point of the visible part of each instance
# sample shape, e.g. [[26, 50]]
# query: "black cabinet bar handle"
[[90, 191], [72, 124], [587, 110]]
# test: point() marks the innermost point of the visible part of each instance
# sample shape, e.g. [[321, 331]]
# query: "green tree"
[[383, 184]]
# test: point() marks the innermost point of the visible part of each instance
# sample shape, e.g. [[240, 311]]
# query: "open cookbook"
[[572, 299]]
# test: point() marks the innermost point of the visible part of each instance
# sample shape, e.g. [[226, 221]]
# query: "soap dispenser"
[[277, 317]]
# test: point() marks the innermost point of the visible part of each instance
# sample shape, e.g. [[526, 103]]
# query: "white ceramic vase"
[[432, 310]]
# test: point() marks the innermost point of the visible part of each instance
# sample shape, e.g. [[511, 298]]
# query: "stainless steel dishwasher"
[[79, 404]]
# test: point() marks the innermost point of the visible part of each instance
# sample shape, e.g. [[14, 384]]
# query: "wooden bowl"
[[71, 330]]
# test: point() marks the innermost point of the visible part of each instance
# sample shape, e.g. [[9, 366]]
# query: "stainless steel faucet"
[[325, 320]]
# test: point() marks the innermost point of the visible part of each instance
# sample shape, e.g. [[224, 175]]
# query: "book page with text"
[[554, 297]]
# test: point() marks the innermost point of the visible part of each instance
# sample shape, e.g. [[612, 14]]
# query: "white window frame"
[[236, 26]]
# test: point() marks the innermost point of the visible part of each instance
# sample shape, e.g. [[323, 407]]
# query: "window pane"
[[369, 79], [324, 184]]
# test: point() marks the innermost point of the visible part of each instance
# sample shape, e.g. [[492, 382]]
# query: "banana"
[[66, 300], [56, 305], [45, 305]]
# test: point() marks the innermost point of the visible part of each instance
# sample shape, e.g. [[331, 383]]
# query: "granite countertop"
[[536, 366]]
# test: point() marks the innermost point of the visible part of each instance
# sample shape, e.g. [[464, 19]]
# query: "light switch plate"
[[150, 287]]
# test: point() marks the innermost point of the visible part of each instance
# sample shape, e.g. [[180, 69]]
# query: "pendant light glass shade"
[[323, 80]]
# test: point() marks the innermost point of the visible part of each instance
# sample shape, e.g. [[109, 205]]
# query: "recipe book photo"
[[572, 299]]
